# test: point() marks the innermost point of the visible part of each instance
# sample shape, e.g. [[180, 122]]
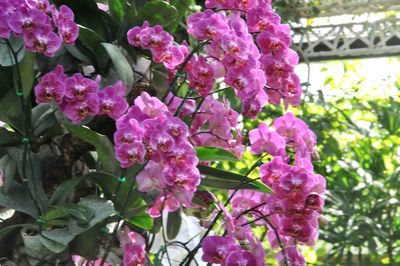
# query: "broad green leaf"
[[121, 64], [9, 138], [6, 84], [157, 12], [102, 144], [26, 67], [10, 110], [55, 213], [117, 9], [109, 183], [219, 176], [183, 7], [64, 190], [43, 118], [33, 174], [52, 245], [16, 197], [74, 51], [89, 38], [174, 222], [214, 154], [87, 243], [56, 240], [101, 210], [6, 58]]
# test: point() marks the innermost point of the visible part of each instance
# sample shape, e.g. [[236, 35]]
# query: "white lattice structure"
[[339, 7], [363, 38]]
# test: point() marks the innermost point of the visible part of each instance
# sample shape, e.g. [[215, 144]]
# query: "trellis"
[[351, 40]]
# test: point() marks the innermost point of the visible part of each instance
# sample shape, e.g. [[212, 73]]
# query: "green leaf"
[[10, 109], [109, 183], [33, 174], [102, 144], [55, 213], [87, 243], [219, 176], [157, 12], [26, 68], [74, 51], [9, 138], [174, 222], [89, 38], [214, 154], [80, 212], [52, 245], [64, 190], [101, 210], [183, 7], [117, 9], [6, 58], [121, 64], [56, 240], [16, 197]]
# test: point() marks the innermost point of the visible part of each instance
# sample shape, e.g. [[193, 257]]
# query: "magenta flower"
[[296, 181], [129, 133], [42, 5], [134, 34], [155, 38], [27, 20], [151, 178], [240, 258], [272, 171], [134, 247], [170, 204], [252, 106], [259, 18], [112, 100], [65, 13], [217, 248], [51, 87], [298, 228], [170, 57], [68, 31], [42, 42], [130, 154], [79, 110], [78, 88], [201, 76], [151, 106], [291, 89], [293, 255], [161, 141], [262, 139], [274, 39], [207, 25]]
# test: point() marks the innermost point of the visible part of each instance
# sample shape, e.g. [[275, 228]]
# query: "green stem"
[[27, 132]]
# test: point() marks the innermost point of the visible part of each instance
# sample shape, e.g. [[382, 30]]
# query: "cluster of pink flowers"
[[239, 246], [296, 205], [149, 131], [35, 21], [160, 43], [216, 125], [134, 247], [79, 97], [225, 251]]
